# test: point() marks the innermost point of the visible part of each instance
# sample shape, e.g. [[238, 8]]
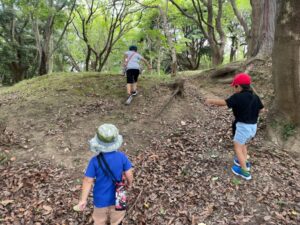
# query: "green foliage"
[[148, 34], [288, 130], [17, 49], [243, 5], [236, 181]]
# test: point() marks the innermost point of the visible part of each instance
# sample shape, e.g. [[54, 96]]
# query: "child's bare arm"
[[217, 102], [129, 177], [146, 62], [86, 188]]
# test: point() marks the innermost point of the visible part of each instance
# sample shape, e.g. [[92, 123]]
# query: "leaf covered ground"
[[182, 161]]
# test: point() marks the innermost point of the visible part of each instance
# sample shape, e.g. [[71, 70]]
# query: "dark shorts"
[[132, 75]]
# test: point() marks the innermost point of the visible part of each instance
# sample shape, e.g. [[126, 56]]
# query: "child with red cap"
[[246, 107]]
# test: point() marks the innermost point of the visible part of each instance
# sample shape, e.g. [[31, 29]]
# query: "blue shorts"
[[244, 132]]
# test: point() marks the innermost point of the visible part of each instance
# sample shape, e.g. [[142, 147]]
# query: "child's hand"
[[81, 205]]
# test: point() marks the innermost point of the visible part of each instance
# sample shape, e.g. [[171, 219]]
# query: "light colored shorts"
[[244, 132], [108, 214]]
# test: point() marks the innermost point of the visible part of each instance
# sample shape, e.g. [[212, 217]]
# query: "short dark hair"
[[133, 48], [246, 87]]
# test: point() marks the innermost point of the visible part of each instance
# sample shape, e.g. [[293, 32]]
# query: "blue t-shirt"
[[104, 188]]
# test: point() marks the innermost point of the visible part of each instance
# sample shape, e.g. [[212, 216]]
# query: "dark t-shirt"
[[245, 106]]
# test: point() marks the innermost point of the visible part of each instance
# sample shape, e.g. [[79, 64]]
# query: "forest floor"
[[182, 157]]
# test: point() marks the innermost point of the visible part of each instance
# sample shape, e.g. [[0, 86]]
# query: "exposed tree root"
[[234, 68], [178, 87]]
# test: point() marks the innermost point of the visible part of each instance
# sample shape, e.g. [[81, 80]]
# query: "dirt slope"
[[182, 157]]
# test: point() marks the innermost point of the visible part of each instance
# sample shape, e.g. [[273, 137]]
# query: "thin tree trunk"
[[169, 39], [159, 60], [43, 64], [88, 58], [233, 48], [241, 20], [286, 58], [50, 63]]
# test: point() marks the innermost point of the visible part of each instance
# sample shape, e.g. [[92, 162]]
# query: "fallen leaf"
[[6, 202], [214, 178], [266, 218], [47, 208]]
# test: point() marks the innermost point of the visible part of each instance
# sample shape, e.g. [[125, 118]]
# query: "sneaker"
[[129, 99], [134, 93], [240, 172], [236, 162]]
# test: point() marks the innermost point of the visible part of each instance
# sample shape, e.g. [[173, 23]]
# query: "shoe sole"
[[246, 178]]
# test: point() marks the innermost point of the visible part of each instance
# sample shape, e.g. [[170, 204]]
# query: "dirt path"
[[182, 162]]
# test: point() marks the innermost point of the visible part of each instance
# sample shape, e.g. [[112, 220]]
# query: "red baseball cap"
[[241, 78]]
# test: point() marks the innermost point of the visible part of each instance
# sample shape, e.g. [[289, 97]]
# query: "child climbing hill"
[[246, 107], [131, 65]]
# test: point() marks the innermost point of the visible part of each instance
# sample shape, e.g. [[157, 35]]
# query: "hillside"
[[182, 156]]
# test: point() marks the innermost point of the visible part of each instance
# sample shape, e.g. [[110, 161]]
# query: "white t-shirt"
[[134, 60]]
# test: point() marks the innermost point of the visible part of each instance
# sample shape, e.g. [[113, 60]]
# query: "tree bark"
[[263, 28], [45, 43], [18, 71], [233, 48], [169, 39], [286, 58]]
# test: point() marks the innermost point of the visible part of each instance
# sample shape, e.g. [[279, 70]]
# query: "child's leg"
[[129, 88], [136, 77], [134, 86], [245, 152], [239, 151]]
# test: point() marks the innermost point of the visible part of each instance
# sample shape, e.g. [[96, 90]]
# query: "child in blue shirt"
[[107, 142]]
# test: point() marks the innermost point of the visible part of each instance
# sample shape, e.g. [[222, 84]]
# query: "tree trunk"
[[169, 39], [217, 47], [87, 58], [286, 58], [263, 28], [207, 27], [217, 56], [43, 68], [158, 60], [18, 72], [45, 46], [233, 48]]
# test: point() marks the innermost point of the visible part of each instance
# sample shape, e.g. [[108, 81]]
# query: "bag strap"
[[107, 171], [130, 57]]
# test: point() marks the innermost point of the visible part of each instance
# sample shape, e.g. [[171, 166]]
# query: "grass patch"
[[288, 130], [78, 85], [236, 181], [284, 128]]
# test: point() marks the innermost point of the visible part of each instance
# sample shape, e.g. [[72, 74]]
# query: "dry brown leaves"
[[185, 178], [38, 193]]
